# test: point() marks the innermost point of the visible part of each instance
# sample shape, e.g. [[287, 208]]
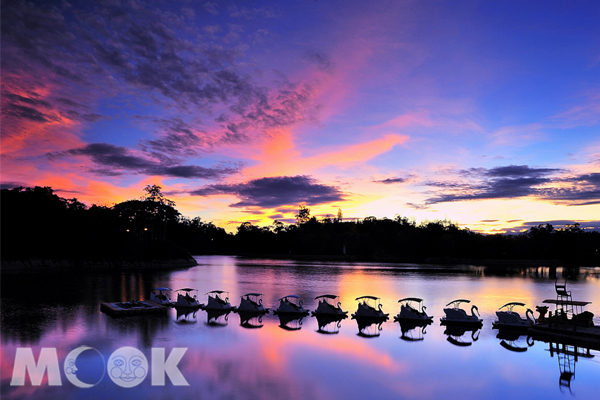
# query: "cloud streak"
[[276, 191], [518, 181], [115, 160]]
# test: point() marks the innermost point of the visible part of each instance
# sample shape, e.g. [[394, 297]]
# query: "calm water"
[[226, 360]]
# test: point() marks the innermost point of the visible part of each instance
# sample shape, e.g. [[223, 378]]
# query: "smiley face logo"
[[127, 367]]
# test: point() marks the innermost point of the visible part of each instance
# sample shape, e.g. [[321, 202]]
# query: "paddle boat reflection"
[[161, 296], [326, 307], [413, 331], [329, 324], [217, 318], [251, 302], [291, 304], [251, 320], [412, 309], [369, 327], [218, 300], [369, 307], [507, 318], [291, 321], [457, 316], [186, 315], [457, 334], [511, 338], [184, 299]]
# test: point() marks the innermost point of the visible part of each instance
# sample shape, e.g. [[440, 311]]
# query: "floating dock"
[[567, 333], [128, 308]]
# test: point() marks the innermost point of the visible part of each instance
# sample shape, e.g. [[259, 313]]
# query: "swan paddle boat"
[[160, 295], [507, 318], [413, 313], [251, 303], [217, 302], [184, 299], [456, 315], [327, 308], [369, 307], [291, 304]]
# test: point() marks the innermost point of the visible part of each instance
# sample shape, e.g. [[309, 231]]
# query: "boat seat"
[[561, 290], [563, 296]]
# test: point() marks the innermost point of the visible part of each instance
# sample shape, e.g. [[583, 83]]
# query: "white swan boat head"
[[412, 308], [369, 307], [455, 314], [185, 299], [508, 318], [291, 304], [252, 302], [326, 306], [218, 300], [160, 295]]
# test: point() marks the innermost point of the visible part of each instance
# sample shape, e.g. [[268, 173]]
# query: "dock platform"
[[588, 337], [127, 308]]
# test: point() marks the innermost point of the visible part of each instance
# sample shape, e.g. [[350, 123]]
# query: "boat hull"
[[186, 301], [248, 306], [290, 308], [326, 309]]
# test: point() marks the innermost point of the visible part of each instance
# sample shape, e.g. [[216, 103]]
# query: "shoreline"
[[46, 265], [500, 263], [43, 265]]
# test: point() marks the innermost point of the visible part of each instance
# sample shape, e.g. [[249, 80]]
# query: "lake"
[[269, 358]]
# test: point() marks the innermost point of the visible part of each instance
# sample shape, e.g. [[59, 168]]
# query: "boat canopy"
[[295, 296], [458, 302], [512, 304], [162, 289], [418, 300], [328, 296], [217, 291], [187, 289], [253, 294], [367, 297]]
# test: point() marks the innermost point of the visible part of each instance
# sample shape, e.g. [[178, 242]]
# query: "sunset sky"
[[483, 112]]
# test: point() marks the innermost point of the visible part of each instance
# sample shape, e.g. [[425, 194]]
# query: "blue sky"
[[486, 113]]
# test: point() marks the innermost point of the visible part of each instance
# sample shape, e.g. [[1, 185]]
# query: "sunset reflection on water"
[[226, 359]]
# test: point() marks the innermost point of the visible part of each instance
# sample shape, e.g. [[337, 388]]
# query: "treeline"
[[404, 239], [36, 223]]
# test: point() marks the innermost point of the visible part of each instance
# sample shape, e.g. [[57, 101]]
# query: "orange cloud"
[[281, 157]]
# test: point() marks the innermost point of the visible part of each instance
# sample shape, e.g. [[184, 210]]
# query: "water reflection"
[[290, 322], [62, 312], [186, 315], [329, 325], [413, 331], [514, 340], [368, 327], [217, 318], [251, 320], [462, 336], [567, 356]]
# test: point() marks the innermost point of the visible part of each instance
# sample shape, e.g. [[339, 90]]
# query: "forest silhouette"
[[38, 224]]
